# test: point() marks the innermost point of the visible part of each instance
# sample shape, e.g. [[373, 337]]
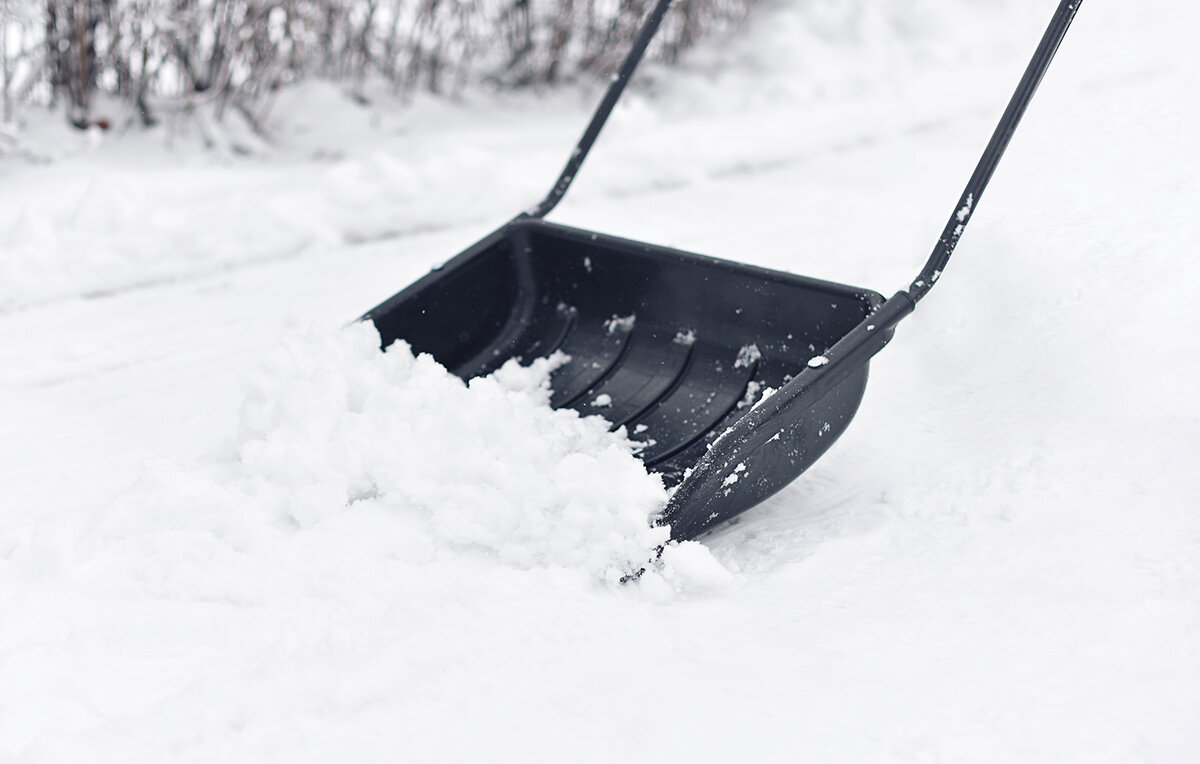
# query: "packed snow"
[[231, 529]]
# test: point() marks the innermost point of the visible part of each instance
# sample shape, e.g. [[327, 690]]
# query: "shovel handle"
[[615, 88], [969, 201]]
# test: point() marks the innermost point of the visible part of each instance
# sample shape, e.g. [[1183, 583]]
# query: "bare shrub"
[[222, 55]]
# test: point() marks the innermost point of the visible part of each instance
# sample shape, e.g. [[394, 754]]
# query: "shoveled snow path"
[[998, 561]]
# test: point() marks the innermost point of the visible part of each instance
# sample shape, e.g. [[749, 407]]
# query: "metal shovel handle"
[[967, 203], [617, 86]]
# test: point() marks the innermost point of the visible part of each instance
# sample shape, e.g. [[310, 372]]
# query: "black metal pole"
[[969, 201], [619, 81]]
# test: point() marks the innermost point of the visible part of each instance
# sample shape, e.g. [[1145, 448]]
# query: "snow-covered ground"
[[230, 531]]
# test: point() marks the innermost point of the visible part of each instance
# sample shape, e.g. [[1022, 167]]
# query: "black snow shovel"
[[677, 347]]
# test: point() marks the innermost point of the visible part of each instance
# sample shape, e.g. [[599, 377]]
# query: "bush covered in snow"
[[158, 56]]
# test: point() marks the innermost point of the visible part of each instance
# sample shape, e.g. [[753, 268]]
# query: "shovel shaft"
[[969, 201], [615, 88]]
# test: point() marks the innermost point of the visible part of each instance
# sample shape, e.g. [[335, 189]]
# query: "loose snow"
[[333, 425], [747, 356], [620, 323], [687, 338]]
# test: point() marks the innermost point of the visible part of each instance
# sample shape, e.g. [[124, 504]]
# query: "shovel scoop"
[[734, 379]]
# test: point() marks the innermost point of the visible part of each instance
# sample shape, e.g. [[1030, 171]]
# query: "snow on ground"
[[206, 554]]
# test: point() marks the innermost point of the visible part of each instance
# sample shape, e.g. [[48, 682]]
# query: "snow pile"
[[331, 425], [372, 512]]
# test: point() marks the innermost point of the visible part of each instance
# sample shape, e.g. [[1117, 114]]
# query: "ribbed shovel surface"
[[673, 346]]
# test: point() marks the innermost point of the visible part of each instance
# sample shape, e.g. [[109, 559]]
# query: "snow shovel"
[[680, 348]]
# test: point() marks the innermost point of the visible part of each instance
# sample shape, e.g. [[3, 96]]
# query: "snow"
[[748, 355], [965, 210], [208, 551], [620, 324], [333, 425], [687, 338]]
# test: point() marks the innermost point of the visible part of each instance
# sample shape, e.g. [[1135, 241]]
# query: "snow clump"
[[331, 424]]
